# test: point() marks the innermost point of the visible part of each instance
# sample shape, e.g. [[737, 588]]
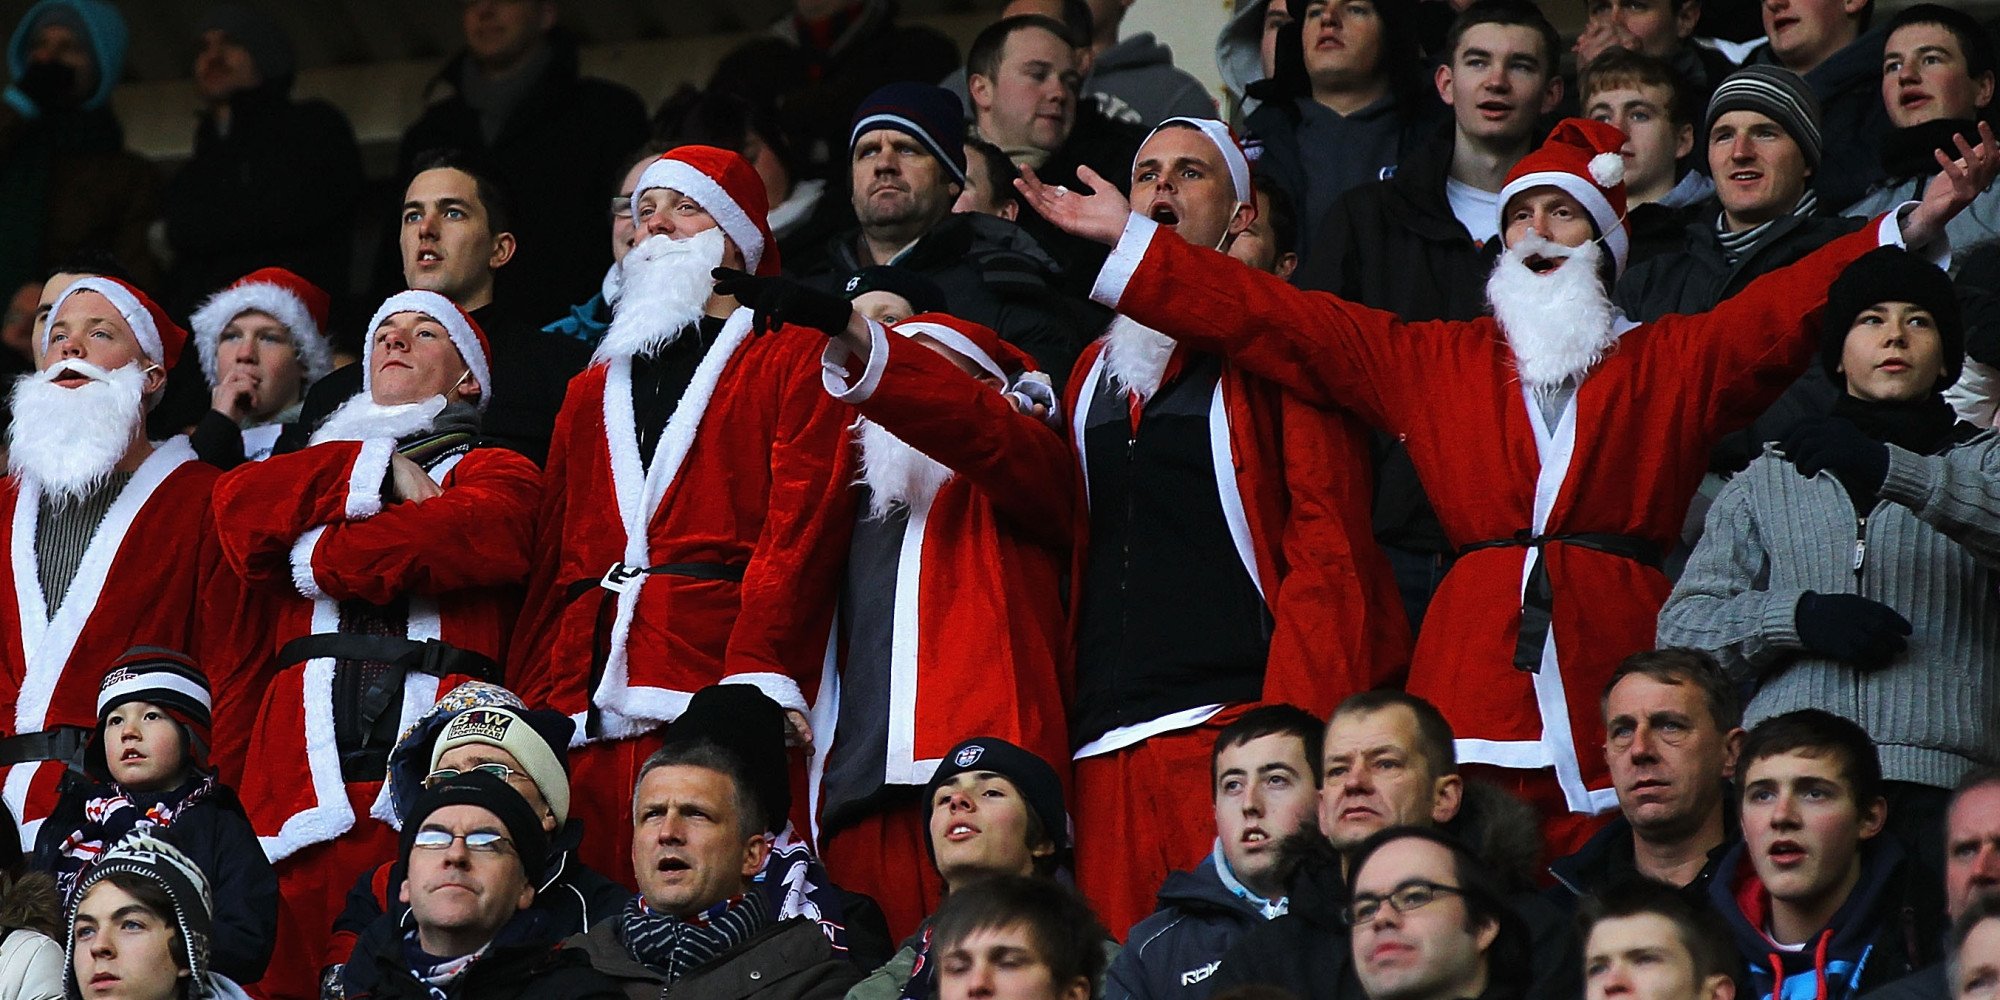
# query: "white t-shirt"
[[1478, 211]]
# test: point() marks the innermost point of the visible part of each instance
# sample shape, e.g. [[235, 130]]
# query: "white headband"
[[1232, 154]]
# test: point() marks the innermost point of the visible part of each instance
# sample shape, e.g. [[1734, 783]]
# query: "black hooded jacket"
[[1173, 954]]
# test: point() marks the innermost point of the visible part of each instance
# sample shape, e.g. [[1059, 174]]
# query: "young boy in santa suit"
[[262, 343], [695, 503], [1559, 441], [952, 604], [147, 767], [110, 538], [1230, 558], [393, 549]]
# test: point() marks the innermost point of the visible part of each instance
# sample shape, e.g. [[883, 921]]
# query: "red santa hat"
[[978, 344], [160, 337], [291, 300], [728, 188], [1583, 159], [465, 335]]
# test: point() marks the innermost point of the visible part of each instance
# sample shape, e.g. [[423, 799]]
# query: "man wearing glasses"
[[469, 845], [1673, 726], [1428, 922]]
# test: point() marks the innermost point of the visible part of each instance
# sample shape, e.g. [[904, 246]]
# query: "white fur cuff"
[[302, 564], [777, 687], [1124, 260], [364, 483], [835, 360]]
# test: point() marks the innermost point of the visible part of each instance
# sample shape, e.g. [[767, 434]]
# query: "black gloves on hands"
[[1835, 445], [775, 302], [1850, 628], [1982, 343]]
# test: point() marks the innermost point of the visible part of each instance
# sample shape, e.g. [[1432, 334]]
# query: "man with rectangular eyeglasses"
[[470, 845], [1428, 922]]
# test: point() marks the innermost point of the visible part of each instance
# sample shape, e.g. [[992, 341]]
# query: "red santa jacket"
[[151, 575], [980, 644], [1623, 459], [750, 476], [309, 530], [1296, 488]]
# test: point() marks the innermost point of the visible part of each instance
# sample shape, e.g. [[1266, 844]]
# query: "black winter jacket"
[[279, 188], [1396, 245], [1607, 859], [992, 273], [1275, 123], [218, 836], [524, 963], [1852, 119], [1889, 927], [558, 154], [1700, 276], [1173, 954]]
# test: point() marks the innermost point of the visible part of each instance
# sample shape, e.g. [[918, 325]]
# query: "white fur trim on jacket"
[[628, 709], [1123, 261], [364, 482], [207, 324], [302, 563], [48, 641], [833, 367]]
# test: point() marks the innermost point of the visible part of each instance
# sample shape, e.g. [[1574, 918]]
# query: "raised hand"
[[1098, 216], [1958, 182]]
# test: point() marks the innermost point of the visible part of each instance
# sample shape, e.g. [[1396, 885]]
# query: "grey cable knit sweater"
[[1930, 549]]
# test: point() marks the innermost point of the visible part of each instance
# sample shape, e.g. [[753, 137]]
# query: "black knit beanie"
[[1892, 274]]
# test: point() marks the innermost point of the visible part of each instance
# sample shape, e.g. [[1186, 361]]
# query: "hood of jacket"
[[1202, 889], [1836, 956], [1133, 52], [1239, 51], [109, 38]]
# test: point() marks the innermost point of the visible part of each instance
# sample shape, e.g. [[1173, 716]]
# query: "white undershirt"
[[1478, 211]]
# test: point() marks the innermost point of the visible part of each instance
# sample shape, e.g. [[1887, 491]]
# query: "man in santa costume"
[[109, 542], [261, 342], [695, 504], [393, 550], [1559, 440], [1229, 560], [952, 604]]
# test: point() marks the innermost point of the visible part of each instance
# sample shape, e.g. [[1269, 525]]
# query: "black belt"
[[618, 579], [427, 656], [63, 743], [1538, 597]]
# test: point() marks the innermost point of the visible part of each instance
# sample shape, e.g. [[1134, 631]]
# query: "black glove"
[[1850, 628], [1836, 445], [775, 302], [1982, 343], [50, 85]]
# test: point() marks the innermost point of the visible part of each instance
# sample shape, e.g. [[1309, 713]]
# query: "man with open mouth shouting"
[[1559, 441]]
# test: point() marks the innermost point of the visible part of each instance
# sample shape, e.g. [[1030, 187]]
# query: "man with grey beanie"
[[1764, 145], [273, 180]]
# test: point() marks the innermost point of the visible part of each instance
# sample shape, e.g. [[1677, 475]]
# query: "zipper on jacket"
[[1860, 543]]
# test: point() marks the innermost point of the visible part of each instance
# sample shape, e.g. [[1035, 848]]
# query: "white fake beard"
[[1558, 324], [895, 473], [67, 441], [1136, 356], [361, 418], [662, 286]]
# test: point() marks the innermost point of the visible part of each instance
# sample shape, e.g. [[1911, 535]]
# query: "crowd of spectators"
[[1468, 515]]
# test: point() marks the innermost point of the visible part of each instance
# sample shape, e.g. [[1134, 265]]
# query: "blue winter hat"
[[929, 114], [102, 25]]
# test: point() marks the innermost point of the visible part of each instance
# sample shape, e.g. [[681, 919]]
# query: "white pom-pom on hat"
[[1607, 169]]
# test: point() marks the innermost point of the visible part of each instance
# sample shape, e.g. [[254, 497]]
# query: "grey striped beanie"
[[1776, 93]]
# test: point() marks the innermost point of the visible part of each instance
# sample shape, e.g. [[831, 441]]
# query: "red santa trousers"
[[312, 890], [1140, 813], [886, 855]]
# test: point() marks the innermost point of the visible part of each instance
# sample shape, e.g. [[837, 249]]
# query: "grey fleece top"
[[1930, 548]]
